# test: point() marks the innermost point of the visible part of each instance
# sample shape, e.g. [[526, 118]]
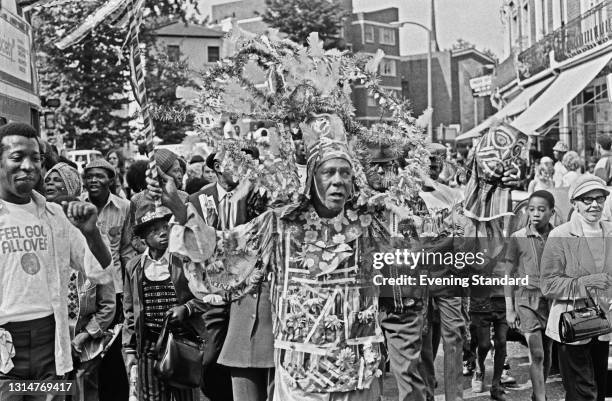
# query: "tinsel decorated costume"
[[325, 305]]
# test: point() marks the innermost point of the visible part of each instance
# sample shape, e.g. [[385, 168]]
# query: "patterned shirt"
[[114, 222]]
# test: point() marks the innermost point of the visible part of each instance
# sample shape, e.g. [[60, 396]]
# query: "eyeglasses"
[[587, 200]]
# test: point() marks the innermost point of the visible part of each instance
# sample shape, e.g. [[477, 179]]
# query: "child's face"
[[157, 235], [539, 212]]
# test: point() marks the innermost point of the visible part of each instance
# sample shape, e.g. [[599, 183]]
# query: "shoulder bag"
[[179, 359]]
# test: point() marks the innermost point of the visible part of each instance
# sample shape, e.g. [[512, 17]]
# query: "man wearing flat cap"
[[577, 257], [113, 218], [114, 222]]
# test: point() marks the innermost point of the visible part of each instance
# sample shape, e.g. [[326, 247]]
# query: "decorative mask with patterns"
[[499, 151]]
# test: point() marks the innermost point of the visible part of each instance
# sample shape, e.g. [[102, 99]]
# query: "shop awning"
[[514, 107], [566, 87]]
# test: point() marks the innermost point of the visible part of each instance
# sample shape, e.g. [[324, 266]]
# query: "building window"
[[213, 54], [174, 53], [369, 34], [372, 101], [387, 36], [387, 68]]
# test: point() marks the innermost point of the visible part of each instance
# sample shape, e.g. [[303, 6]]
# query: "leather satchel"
[[583, 323], [179, 358]]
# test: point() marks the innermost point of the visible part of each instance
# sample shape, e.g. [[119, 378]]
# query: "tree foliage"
[[91, 77], [298, 18], [87, 78], [163, 77]]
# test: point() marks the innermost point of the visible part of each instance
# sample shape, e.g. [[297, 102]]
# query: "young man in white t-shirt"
[[38, 241]]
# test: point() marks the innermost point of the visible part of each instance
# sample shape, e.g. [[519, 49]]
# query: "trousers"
[[253, 384], [583, 370], [34, 342], [403, 332], [452, 326]]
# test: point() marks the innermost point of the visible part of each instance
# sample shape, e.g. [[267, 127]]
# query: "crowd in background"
[[116, 316]]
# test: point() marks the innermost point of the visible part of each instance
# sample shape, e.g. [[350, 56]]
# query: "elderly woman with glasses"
[[578, 258]]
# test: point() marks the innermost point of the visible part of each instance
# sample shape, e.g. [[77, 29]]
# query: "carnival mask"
[[498, 151]]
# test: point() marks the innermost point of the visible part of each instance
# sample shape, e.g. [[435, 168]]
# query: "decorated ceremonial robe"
[[326, 333], [324, 304]]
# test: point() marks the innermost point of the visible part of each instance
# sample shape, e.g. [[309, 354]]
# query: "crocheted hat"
[[70, 176]]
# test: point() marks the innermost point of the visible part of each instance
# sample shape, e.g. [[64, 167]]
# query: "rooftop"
[[188, 30]]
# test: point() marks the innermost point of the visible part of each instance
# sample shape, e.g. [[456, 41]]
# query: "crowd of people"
[[96, 267]]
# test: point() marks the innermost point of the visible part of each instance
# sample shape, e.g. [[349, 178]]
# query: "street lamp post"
[[429, 78]]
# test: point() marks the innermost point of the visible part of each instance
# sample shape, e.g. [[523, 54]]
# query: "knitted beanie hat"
[[165, 158], [71, 178]]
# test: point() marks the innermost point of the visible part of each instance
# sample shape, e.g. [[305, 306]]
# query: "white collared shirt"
[[156, 270]]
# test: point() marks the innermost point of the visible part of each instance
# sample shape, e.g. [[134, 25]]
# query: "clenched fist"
[[82, 215]]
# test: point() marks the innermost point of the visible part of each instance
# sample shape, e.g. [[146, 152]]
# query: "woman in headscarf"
[[62, 181], [91, 308]]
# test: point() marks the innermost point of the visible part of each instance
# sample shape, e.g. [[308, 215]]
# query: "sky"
[[477, 21]]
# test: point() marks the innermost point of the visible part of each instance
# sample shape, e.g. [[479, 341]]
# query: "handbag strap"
[[573, 292], [589, 296], [572, 295], [163, 336]]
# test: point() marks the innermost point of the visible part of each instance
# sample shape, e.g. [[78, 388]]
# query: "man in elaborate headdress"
[[317, 254]]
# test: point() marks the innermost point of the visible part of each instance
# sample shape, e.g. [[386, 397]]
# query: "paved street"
[[519, 365]]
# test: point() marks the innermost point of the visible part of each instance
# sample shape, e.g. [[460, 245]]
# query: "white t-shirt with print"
[[24, 257]]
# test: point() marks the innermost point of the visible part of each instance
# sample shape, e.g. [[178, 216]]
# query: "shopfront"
[[590, 116], [19, 99]]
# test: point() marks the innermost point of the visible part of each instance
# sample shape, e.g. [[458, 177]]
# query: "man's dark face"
[[224, 176], [20, 168], [558, 155], [333, 183], [435, 168], [97, 182], [380, 175], [233, 119]]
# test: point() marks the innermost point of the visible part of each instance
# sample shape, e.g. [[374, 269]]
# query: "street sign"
[[481, 86], [15, 50]]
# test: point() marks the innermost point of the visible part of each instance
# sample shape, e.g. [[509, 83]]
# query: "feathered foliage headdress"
[[273, 79]]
